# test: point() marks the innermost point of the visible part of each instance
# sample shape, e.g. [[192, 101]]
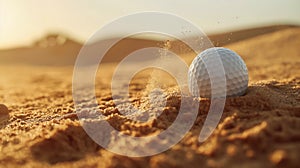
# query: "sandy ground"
[[260, 129]]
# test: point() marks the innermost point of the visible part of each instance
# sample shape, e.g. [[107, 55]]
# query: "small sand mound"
[[3, 109]]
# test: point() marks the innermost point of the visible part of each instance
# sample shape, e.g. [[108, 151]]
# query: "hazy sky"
[[22, 21]]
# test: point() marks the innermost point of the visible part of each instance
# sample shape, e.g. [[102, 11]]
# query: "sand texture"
[[260, 129]]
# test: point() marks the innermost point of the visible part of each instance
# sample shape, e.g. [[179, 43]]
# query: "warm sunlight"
[[21, 22], [149, 83]]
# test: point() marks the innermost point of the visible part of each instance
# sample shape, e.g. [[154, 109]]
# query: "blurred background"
[[60, 27], [22, 22]]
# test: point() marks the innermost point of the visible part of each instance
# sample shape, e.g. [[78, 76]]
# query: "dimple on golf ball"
[[236, 73]]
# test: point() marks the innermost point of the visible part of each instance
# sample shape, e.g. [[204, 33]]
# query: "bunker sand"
[[259, 129]]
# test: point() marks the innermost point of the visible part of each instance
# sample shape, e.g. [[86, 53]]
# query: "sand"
[[260, 129]]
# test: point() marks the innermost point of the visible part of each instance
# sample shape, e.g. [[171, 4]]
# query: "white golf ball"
[[235, 70]]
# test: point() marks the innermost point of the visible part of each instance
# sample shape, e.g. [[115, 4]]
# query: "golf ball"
[[236, 73]]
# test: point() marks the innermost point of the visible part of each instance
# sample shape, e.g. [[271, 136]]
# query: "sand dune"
[[260, 129], [271, 56], [235, 36], [60, 50], [45, 51], [50, 53]]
